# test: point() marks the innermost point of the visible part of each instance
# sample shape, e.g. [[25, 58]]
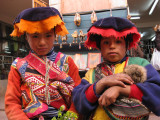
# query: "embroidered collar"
[[51, 55]]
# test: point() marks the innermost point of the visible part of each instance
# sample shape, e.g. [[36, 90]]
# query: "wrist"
[[100, 86], [125, 91]]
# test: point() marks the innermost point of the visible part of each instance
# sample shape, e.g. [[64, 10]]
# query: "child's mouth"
[[112, 53]]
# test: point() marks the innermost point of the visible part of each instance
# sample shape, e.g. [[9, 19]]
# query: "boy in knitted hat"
[[40, 83], [98, 95]]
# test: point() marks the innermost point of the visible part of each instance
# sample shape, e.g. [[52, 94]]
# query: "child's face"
[[112, 49], [41, 43]]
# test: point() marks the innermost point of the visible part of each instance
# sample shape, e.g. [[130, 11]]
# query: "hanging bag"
[[155, 60]]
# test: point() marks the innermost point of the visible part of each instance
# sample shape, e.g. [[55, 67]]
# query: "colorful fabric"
[[31, 103], [123, 108], [32, 85], [39, 20], [112, 26], [52, 55], [149, 96], [58, 88]]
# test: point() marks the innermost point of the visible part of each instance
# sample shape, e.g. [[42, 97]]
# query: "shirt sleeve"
[[148, 92], [74, 74], [13, 105], [74, 71], [136, 93], [84, 97]]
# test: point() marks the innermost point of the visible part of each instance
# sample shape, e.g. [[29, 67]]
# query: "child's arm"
[[147, 92], [111, 94], [85, 95], [150, 90], [74, 74], [73, 71], [119, 79], [13, 107]]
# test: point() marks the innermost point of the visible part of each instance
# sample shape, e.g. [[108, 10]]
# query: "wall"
[[71, 6], [86, 21]]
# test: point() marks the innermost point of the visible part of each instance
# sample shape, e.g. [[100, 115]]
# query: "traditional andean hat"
[[112, 26], [40, 20]]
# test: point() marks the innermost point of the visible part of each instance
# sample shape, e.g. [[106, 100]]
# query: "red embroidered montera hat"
[[112, 26], [39, 19]]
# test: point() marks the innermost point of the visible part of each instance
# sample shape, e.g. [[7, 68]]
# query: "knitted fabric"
[[60, 85], [39, 20], [112, 26]]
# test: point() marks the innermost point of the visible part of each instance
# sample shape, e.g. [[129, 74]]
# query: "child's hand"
[[119, 79], [109, 96], [112, 93]]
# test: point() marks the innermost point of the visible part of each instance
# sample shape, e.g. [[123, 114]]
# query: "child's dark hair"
[[128, 39], [97, 38], [157, 40]]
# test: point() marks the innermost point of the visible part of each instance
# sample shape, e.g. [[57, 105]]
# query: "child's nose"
[[42, 41], [112, 45]]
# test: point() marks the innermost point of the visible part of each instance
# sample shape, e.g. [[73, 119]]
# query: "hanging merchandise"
[[70, 44], [64, 39], [60, 45], [77, 19], [75, 36], [81, 35], [79, 45], [56, 40], [93, 17]]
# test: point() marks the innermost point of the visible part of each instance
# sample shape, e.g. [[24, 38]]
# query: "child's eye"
[[106, 42], [118, 41], [48, 35], [35, 36]]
